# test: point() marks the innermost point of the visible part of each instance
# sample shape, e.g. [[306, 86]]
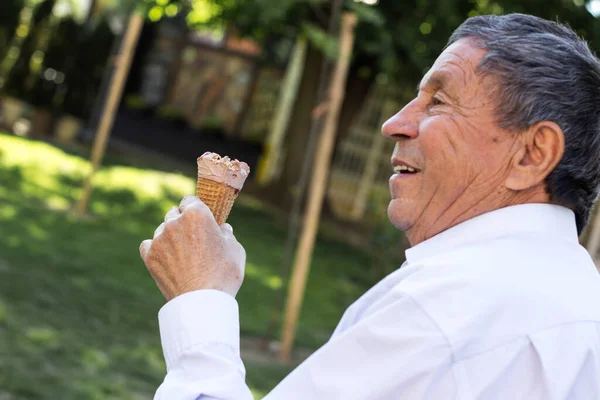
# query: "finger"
[[145, 248], [160, 229], [172, 214], [227, 229], [190, 202]]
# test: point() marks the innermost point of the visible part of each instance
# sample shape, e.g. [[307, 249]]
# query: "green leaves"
[[367, 14], [321, 40]]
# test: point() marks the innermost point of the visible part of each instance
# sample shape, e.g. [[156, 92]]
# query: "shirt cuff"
[[198, 318]]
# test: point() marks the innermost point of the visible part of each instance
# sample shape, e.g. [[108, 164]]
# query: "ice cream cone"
[[218, 197], [219, 183]]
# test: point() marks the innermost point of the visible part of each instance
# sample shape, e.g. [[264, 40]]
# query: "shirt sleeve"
[[201, 344], [395, 351]]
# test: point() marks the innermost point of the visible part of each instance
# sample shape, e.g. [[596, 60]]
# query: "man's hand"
[[191, 252]]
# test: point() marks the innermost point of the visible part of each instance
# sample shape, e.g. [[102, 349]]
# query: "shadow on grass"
[[77, 310]]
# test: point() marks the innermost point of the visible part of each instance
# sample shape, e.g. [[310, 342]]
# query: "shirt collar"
[[541, 219]]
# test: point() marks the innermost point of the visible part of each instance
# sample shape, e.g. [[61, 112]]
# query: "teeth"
[[403, 168]]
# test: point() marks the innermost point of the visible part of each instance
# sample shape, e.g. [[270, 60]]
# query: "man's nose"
[[404, 124]]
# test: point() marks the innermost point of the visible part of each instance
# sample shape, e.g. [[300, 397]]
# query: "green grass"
[[77, 306]]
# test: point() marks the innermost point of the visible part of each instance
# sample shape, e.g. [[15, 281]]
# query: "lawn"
[[77, 307]]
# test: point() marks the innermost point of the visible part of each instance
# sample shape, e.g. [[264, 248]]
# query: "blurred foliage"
[[85, 67], [20, 79], [402, 37], [153, 9], [197, 12], [9, 21], [386, 243], [54, 61]]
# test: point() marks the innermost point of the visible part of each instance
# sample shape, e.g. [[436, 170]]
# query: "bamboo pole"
[[317, 187], [295, 215], [268, 164], [123, 65]]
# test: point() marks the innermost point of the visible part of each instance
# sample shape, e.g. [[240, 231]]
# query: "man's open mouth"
[[404, 169]]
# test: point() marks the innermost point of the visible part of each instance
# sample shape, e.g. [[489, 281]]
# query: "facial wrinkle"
[[443, 212], [420, 215], [459, 217], [451, 139]]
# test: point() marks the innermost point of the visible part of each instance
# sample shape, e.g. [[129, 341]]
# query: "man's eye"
[[436, 101]]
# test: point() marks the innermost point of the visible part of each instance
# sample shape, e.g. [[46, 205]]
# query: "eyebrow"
[[436, 81]]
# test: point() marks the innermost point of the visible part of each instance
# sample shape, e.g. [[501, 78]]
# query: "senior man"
[[497, 299]]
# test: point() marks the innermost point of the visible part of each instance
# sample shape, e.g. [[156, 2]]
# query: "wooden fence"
[[361, 168]]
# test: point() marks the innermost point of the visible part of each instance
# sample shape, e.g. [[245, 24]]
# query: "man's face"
[[449, 135]]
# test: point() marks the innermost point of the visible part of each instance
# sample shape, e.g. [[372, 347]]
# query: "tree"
[[19, 80], [9, 21], [52, 75], [84, 69]]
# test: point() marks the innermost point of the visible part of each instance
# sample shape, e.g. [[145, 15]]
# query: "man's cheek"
[[431, 127]]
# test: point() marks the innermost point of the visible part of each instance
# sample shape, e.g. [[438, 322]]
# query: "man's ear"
[[541, 148]]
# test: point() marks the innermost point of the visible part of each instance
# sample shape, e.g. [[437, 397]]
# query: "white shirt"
[[504, 306]]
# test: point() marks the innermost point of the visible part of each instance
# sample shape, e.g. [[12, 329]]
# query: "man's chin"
[[400, 216]]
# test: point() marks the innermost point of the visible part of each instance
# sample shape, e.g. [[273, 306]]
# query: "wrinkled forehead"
[[456, 67]]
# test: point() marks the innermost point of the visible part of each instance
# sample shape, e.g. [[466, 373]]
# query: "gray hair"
[[546, 72]]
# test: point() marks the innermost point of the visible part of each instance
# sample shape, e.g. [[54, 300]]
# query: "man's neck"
[[457, 214]]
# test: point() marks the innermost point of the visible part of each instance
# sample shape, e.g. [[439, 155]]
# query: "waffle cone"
[[218, 197]]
